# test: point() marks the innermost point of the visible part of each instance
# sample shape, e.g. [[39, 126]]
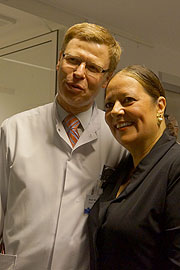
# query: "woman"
[[135, 225]]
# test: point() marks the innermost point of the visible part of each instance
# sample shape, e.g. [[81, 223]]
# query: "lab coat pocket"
[[7, 262]]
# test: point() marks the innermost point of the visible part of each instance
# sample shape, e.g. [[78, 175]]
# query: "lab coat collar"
[[92, 126]]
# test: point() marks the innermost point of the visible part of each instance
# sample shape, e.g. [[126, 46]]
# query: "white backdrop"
[[27, 74]]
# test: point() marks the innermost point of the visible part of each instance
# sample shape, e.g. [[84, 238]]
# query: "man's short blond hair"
[[94, 33]]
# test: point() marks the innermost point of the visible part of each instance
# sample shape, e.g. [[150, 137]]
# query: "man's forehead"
[[80, 42], [88, 48]]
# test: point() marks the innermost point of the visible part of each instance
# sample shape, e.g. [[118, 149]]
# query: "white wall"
[[159, 59], [28, 74]]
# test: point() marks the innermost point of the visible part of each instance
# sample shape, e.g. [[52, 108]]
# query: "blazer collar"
[[145, 166]]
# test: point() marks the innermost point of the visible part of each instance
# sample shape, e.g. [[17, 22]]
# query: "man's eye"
[[93, 68], [73, 60]]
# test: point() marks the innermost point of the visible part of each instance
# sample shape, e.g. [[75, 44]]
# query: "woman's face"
[[131, 113]]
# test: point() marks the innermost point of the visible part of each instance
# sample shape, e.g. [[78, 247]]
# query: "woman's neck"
[[139, 151]]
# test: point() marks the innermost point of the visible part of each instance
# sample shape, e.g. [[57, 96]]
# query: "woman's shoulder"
[[174, 153]]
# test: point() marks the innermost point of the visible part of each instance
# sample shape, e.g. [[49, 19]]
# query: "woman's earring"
[[159, 119]]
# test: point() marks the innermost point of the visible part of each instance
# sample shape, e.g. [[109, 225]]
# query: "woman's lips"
[[123, 124]]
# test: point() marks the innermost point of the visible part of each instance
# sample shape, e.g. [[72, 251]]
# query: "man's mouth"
[[75, 86]]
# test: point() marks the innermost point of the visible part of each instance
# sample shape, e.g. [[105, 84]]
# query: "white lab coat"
[[43, 186]]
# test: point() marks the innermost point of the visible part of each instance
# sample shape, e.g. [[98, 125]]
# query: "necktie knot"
[[72, 124]]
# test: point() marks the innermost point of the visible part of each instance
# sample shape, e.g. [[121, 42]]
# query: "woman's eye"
[[128, 100], [108, 105]]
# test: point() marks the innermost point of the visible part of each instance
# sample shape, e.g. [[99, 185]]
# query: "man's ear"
[[58, 63], [107, 79]]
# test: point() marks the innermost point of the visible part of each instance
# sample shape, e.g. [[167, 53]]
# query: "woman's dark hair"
[[146, 78]]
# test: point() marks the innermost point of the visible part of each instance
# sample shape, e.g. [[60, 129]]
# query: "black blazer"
[[140, 230]]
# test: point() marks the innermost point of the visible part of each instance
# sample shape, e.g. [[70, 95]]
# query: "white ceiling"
[[155, 22]]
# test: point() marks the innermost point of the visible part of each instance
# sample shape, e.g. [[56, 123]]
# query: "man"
[[48, 181]]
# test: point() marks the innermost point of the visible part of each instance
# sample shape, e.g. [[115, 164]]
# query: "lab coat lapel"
[[91, 132]]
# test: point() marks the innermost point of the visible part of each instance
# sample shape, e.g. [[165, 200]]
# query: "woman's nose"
[[117, 109]]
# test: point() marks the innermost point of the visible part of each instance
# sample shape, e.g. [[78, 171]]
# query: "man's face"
[[78, 87]]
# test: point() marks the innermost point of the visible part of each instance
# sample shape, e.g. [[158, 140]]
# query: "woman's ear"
[[161, 103]]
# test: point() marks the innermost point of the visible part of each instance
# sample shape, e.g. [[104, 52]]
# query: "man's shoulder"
[[102, 123], [106, 136], [101, 113], [40, 111]]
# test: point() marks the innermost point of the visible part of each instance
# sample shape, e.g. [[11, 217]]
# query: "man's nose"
[[117, 109], [80, 71]]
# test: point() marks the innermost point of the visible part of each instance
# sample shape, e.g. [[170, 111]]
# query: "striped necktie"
[[72, 124]]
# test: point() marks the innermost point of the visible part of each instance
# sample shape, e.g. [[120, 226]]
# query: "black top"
[[140, 230]]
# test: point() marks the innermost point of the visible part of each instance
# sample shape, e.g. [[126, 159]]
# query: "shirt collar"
[[84, 117]]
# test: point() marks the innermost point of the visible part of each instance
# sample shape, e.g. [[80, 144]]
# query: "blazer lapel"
[[139, 175]]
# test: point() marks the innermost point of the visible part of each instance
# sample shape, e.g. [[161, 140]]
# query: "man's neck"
[[72, 109]]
